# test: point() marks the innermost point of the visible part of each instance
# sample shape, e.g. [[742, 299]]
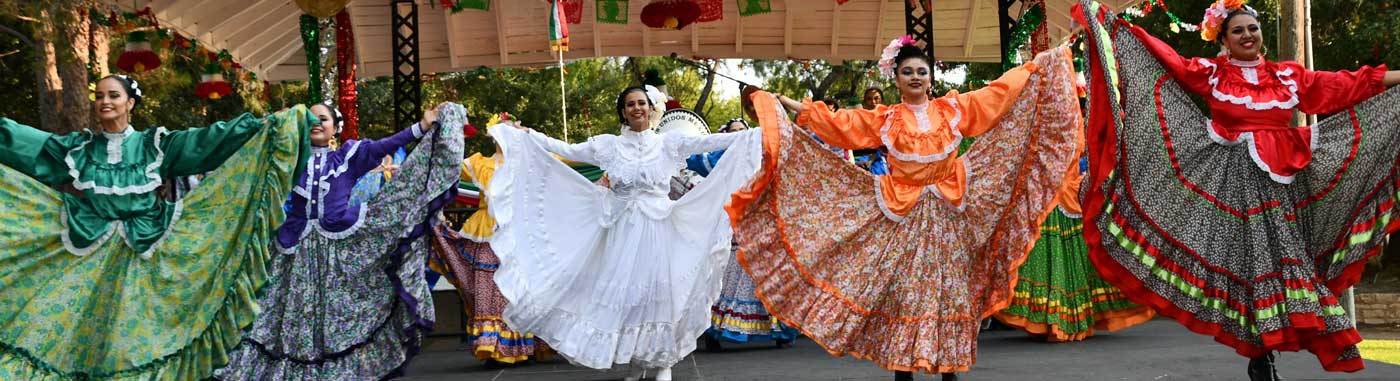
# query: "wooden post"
[[1292, 29]]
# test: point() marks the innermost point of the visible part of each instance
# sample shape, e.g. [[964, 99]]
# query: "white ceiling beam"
[[271, 25], [260, 54], [836, 28], [499, 10], [694, 38], [200, 11], [787, 30], [451, 25], [244, 20], [646, 40], [878, 44], [738, 32], [597, 34], [971, 23]]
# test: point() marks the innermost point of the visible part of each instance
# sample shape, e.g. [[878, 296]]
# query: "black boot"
[[903, 376], [711, 344], [1262, 368], [950, 377]]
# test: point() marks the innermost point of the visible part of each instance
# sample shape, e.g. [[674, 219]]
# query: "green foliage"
[[1356, 33], [19, 83]]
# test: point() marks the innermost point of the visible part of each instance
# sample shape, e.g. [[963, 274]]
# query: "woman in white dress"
[[619, 275]]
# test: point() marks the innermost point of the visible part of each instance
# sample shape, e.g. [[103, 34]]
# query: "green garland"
[[1026, 25], [311, 42]]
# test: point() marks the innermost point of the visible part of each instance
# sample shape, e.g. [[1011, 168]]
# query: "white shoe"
[[637, 373], [664, 374]]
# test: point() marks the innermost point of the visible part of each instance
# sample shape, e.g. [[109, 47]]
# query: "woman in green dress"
[[103, 278]]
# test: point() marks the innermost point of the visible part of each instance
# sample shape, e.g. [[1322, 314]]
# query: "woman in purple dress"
[[347, 299]]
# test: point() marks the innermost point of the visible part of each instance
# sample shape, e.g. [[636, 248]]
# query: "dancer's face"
[[913, 77], [322, 132], [736, 127], [637, 110], [111, 102], [1243, 37], [872, 99]]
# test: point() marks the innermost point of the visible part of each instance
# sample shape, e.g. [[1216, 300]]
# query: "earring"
[[333, 143]]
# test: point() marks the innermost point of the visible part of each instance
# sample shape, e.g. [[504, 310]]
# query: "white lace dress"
[[620, 275]]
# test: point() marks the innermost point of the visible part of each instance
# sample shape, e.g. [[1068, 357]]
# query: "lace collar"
[[628, 133], [119, 135], [1251, 63]]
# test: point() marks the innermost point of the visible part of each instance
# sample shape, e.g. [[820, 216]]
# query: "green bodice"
[[116, 175]]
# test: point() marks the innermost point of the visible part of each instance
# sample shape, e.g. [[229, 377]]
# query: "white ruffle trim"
[[174, 216], [114, 144], [150, 170], [359, 221], [890, 214], [1284, 76], [84, 251], [1247, 138], [950, 149], [117, 227]]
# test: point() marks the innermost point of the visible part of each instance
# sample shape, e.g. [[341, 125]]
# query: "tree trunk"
[[1291, 38], [819, 91], [705, 92], [62, 37], [636, 68]]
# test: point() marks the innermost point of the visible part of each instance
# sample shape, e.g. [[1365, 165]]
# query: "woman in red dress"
[[1237, 224]]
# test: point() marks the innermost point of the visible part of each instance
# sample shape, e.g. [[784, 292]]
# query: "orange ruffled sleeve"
[[850, 129], [983, 108]]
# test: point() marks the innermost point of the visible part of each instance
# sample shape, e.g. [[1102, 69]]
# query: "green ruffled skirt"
[[1059, 293], [111, 315]]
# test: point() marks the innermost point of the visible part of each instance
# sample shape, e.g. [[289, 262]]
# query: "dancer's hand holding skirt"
[[906, 291], [108, 312], [1195, 227], [343, 306]]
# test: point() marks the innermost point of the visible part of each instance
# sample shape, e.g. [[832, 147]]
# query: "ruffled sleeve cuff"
[[804, 118]]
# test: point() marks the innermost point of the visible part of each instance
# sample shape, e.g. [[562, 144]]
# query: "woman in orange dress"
[[924, 253]]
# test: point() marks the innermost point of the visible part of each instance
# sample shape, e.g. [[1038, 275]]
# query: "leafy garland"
[[1035, 16], [168, 39], [1033, 19]]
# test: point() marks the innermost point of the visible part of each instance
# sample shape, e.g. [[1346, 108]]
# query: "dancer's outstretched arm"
[[847, 129], [203, 149], [983, 108], [579, 152], [36, 153]]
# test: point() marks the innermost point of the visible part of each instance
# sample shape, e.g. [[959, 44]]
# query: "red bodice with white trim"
[[1252, 102]]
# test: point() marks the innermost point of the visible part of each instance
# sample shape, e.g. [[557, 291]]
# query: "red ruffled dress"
[[1235, 223]]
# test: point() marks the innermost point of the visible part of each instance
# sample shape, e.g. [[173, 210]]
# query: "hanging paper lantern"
[[211, 84], [138, 56], [711, 10], [321, 8], [670, 14], [212, 87]]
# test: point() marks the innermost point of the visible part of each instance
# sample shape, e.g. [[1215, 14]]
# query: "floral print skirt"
[[111, 314], [907, 294], [471, 267], [355, 307]]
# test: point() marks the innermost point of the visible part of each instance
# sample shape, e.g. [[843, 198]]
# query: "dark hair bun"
[[907, 52]]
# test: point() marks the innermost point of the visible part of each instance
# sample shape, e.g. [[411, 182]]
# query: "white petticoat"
[[607, 279]]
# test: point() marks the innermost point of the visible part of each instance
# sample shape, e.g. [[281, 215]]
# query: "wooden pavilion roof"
[[264, 35]]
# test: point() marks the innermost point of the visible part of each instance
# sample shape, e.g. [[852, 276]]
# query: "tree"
[[59, 32]]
